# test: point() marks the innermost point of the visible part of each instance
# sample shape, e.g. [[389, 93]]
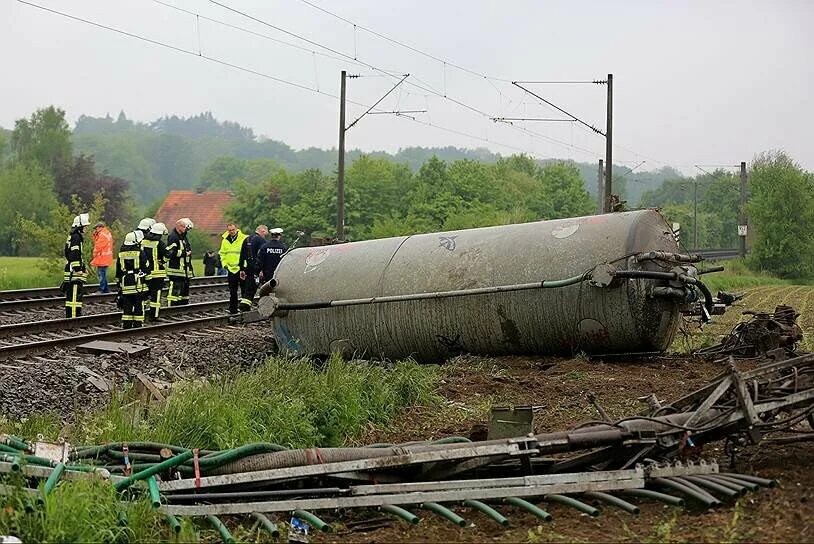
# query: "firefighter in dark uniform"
[[75, 273], [179, 263], [269, 256], [129, 274], [153, 255], [248, 265]]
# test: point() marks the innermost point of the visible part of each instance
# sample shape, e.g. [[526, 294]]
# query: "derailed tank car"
[[598, 284]]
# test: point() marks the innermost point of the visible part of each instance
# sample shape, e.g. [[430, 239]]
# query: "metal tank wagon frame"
[[613, 283]]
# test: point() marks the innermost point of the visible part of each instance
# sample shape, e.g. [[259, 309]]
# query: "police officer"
[[179, 263], [153, 255], [75, 273], [230, 251], [248, 265], [269, 256], [129, 273]]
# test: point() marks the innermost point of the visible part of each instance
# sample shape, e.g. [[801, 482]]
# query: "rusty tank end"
[[606, 311]]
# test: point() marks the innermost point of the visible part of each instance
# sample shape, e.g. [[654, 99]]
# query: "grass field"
[[26, 272]]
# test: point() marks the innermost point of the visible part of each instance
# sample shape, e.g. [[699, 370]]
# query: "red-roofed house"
[[206, 209]]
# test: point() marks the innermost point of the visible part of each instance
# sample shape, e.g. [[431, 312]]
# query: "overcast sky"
[[695, 82]]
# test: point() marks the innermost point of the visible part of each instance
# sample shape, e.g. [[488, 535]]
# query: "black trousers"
[[152, 304], [132, 311], [73, 299], [234, 282], [178, 293], [249, 288]]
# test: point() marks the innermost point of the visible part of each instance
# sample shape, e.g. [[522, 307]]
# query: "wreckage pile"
[[652, 456]]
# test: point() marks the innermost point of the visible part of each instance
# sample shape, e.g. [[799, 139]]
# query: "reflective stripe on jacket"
[[128, 271], [102, 248], [230, 251], [152, 253]]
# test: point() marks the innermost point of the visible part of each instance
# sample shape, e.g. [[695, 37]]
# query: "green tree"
[[26, 190], [563, 193], [781, 212], [44, 139]]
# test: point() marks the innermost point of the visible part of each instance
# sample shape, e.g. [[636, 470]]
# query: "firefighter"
[[269, 256], [179, 263], [75, 273], [144, 226], [129, 274], [230, 251], [153, 254], [248, 265]]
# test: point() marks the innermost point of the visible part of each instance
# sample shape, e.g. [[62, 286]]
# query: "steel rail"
[[46, 301], [64, 324], [150, 330], [88, 288]]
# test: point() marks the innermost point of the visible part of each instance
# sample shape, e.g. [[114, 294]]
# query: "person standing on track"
[[75, 273], [211, 263], [179, 263], [153, 255], [129, 273], [102, 253], [269, 256], [230, 252], [248, 265]]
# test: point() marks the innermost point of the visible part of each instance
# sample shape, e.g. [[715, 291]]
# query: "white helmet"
[[81, 220], [139, 236], [146, 223], [130, 239], [188, 222], [159, 228]]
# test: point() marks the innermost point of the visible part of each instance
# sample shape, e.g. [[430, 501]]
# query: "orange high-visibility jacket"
[[102, 248]]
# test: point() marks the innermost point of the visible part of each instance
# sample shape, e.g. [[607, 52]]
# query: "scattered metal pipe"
[[615, 501], [267, 524], [444, 512], [528, 507], [400, 512], [175, 525], [488, 510], [155, 496], [313, 520], [225, 535], [654, 495], [573, 503]]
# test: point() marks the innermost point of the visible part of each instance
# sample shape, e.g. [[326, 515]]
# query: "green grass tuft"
[[737, 276], [26, 273], [286, 401]]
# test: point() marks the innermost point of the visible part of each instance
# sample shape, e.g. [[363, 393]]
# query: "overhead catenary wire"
[[264, 75]]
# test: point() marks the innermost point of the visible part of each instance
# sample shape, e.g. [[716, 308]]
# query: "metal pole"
[[609, 148], [340, 176], [743, 221], [695, 215], [600, 195]]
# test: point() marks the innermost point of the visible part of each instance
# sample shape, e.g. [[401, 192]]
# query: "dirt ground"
[[557, 389]]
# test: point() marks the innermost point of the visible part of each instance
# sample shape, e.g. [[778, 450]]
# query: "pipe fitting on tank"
[[268, 306], [267, 288]]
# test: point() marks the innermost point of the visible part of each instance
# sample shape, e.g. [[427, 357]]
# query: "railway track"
[[718, 254], [33, 337], [26, 299]]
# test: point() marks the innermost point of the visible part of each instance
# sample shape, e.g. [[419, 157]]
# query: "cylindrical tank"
[[582, 317]]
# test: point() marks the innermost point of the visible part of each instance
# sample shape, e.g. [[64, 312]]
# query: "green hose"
[[155, 496], [528, 507], [654, 495], [14, 460], [225, 535], [488, 510], [238, 453], [51, 482], [135, 456], [614, 501], [9, 449], [313, 520], [406, 515], [444, 512], [17, 443], [175, 526], [573, 503], [155, 469], [268, 525]]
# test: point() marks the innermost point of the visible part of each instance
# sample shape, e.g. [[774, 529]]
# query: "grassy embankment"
[[289, 402], [26, 272]]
